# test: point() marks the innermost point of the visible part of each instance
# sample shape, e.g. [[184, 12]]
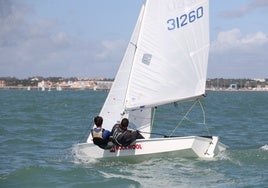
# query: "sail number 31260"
[[183, 20]]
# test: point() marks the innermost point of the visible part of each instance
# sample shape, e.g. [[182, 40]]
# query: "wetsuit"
[[124, 137]]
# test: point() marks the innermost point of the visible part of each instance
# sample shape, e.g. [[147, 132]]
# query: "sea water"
[[39, 131]]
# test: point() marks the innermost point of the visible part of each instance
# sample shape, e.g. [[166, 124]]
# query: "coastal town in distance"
[[104, 84]]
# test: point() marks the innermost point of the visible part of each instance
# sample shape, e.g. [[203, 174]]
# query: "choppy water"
[[38, 131]]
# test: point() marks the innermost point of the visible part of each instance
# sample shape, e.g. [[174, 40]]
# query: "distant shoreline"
[[238, 90], [35, 88], [29, 88], [104, 84]]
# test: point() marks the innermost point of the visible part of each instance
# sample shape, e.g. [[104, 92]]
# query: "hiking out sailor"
[[101, 137], [122, 135]]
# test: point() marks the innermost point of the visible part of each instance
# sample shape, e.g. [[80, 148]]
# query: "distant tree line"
[[241, 83]]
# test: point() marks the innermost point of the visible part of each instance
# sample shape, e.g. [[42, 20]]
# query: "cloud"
[[108, 49], [30, 48], [233, 39], [255, 4], [235, 55]]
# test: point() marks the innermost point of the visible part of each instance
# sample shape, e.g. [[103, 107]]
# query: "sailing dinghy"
[[165, 62]]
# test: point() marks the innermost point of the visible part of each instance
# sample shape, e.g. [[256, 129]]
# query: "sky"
[[88, 38]]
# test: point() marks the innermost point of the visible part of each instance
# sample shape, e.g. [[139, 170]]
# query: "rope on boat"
[[184, 117], [204, 116], [187, 113]]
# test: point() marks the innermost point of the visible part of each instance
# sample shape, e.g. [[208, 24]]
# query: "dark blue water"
[[38, 132]]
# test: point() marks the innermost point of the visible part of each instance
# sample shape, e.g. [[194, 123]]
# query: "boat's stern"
[[208, 147]]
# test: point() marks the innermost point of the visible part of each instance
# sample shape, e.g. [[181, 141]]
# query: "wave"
[[79, 158], [265, 147]]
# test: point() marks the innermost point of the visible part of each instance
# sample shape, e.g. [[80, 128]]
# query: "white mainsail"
[[170, 63]]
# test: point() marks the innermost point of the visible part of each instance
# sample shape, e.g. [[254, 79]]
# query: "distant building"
[[44, 84], [259, 79], [232, 87], [2, 83], [103, 85], [35, 79]]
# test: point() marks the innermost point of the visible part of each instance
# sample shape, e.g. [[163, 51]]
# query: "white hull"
[[191, 146]]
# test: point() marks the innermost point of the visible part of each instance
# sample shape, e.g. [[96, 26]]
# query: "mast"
[[113, 108]]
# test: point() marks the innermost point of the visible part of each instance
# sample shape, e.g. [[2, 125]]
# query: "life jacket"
[[97, 133], [98, 138]]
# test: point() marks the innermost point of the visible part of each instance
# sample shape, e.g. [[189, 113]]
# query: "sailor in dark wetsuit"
[[122, 136]]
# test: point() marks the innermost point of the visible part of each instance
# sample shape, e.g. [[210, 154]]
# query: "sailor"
[[122, 136], [101, 137]]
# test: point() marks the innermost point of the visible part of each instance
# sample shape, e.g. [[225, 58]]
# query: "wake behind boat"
[[165, 62]]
